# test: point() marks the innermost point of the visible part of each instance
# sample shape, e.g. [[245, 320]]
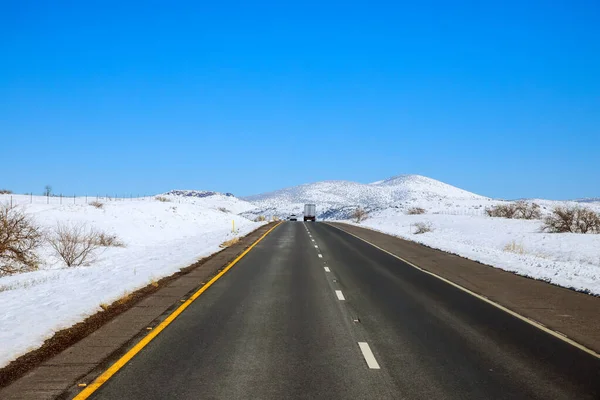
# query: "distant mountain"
[[588, 200], [337, 199], [196, 193]]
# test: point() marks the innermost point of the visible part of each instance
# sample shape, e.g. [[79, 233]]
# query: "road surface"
[[315, 313]]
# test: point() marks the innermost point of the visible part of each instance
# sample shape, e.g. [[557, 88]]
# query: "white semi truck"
[[310, 212]]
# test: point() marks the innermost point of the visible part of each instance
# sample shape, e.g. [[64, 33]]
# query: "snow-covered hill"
[[337, 199], [214, 200]]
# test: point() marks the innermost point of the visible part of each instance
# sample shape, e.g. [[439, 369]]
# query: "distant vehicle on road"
[[293, 217], [310, 212]]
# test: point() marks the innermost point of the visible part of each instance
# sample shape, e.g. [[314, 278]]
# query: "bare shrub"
[[517, 210], [415, 211], [223, 209], [5, 191], [514, 247], [359, 215], [74, 244], [162, 199], [105, 240], [260, 218], [275, 218], [19, 238], [97, 204], [573, 220], [229, 242], [525, 210], [422, 227]]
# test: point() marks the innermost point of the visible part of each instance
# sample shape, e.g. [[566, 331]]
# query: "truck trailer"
[[310, 212]]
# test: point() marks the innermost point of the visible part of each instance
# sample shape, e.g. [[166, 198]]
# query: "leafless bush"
[[223, 209], [97, 204], [275, 218], [19, 238], [517, 210], [5, 191], [573, 220], [74, 244], [162, 199], [525, 210], [260, 218], [422, 227], [359, 215], [415, 211]]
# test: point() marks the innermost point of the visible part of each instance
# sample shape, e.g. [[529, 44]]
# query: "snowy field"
[[160, 238], [565, 259]]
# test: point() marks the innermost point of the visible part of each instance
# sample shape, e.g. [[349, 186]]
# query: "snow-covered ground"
[[565, 259], [160, 238]]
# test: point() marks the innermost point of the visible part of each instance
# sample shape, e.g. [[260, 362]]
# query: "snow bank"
[[568, 260], [160, 239]]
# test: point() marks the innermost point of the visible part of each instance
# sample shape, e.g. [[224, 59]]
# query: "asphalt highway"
[[314, 313]]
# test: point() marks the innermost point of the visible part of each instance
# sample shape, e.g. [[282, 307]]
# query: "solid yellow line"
[[120, 363], [480, 297]]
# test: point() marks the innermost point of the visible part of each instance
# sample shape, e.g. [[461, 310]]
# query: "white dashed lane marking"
[[327, 269], [340, 295], [320, 255], [368, 355]]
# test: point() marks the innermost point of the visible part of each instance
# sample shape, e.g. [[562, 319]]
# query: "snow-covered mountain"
[[337, 199]]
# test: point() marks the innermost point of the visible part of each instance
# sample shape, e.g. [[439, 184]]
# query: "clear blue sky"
[[498, 97]]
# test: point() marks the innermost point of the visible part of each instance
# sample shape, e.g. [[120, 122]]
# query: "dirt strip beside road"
[[574, 314]]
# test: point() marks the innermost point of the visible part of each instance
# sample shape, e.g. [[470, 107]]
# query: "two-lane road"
[[314, 313]]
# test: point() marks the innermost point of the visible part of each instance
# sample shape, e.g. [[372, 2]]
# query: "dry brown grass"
[[260, 218], [125, 298], [104, 306], [162, 199], [415, 211], [275, 218], [230, 242], [19, 239], [514, 247], [97, 204]]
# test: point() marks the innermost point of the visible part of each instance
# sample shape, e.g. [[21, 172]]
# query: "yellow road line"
[[538, 325], [120, 363]]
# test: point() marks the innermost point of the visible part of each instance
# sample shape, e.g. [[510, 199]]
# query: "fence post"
[[31, 198], [73, 199], [61, 198]]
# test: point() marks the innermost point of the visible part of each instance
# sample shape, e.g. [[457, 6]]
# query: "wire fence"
[[60, 199]]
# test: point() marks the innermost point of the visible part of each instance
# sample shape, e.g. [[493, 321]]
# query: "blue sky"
[[500, 98]]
